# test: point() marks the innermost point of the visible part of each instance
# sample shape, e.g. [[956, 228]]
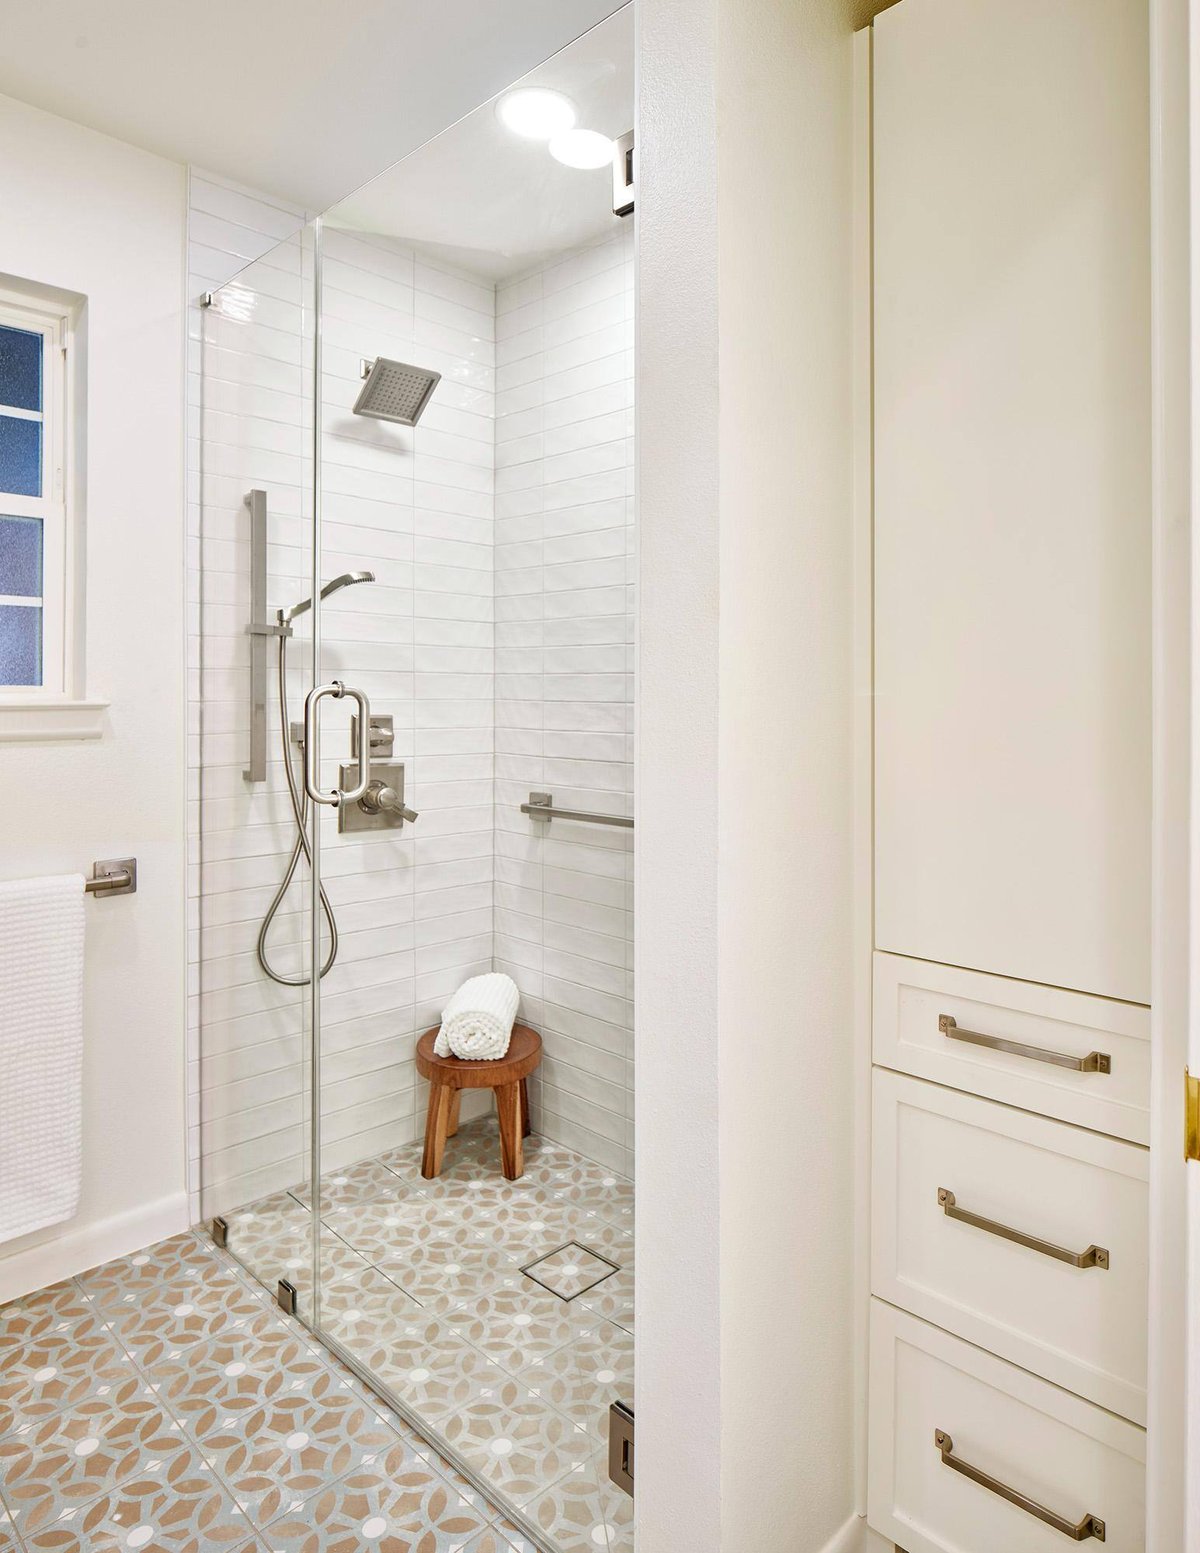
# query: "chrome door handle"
[[1094, 1062], [334, 796], [1094, 1256], [1078, 1531]]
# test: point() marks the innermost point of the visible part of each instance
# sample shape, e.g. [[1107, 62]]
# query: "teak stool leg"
[[441, 1098], [526, 1124], [452, 1123], [508, 1108]]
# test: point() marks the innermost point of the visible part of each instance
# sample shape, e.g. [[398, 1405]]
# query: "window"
[[34, 540]]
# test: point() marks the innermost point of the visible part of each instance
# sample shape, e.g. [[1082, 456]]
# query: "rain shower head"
[[346, 580], [395, 391]]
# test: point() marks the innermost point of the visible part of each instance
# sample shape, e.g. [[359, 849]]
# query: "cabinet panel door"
[[1012, 488]]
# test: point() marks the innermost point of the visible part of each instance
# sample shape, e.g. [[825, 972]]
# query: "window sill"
[[36, 722]]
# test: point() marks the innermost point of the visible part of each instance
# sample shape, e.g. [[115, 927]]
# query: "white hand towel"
[[41, 1051], [477, 1021]]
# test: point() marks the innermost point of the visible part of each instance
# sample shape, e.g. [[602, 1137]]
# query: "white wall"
[[564, 681], [744, 1015], [88, 214]]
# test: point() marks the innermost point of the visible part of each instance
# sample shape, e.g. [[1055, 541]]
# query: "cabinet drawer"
[[936, 1400], [915, 999], [938, 1155]]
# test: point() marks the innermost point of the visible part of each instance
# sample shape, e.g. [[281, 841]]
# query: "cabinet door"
[[1012, 488]]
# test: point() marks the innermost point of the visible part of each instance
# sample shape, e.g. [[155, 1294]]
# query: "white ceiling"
[[304, 99], [496, 204]]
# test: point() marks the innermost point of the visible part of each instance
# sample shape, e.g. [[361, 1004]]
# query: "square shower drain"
[[570, 1271]]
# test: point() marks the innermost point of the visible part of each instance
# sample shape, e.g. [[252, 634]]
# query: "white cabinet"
[[977, 1208], [937, 1400], [1085, 1060], [1012, 488]]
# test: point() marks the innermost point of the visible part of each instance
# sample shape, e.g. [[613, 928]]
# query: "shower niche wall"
[[484, 609]]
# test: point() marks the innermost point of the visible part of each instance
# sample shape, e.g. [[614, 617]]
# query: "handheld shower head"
[[346, 580]]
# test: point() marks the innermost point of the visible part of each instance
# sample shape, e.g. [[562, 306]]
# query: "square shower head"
[[395, 391]]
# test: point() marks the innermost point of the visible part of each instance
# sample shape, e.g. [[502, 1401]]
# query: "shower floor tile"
[[223, 1426]]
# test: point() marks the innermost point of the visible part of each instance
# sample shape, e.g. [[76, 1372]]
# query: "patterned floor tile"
[[368, 1181], [570, 1271], [582, 1380], [182, 1509], [59, 1463], [518, 1446], [161, 1272], [59, 1308], [515, 1326], [582, 1514], [510, 1537], [210, 1385], [58, 1368], [289, 1448], [612, 1300], [444, 1273], [395, 1504], [424, 1290]]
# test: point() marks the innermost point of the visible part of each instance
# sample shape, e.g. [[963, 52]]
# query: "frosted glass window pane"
[[20, 644], [20, 368], [21, 557], [20, 456]]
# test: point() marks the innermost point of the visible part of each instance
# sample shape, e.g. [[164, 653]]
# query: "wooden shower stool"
[[449, 1076]]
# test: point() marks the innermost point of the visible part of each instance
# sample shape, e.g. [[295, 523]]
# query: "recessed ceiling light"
[[582, 148], [535, 112]]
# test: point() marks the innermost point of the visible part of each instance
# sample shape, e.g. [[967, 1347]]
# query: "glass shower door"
[[251, 659], [474, 457]]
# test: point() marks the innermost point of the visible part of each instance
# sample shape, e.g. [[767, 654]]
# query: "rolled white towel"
[[477, 1021]]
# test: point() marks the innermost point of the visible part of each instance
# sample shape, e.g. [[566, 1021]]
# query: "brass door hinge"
[[1191, 1116]]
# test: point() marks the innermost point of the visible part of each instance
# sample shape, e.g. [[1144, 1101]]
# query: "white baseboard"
[[857, 1537], [74, 1250]]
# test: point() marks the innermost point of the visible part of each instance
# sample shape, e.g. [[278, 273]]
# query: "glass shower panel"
[[480, 293], [253, 558]]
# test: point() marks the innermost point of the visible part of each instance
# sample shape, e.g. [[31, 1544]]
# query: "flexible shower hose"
[[300, 848]]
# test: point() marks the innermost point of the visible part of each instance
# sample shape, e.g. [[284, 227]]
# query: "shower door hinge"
[[620, 1446], [1191, 1115], [286, 1296], [220, 1233]]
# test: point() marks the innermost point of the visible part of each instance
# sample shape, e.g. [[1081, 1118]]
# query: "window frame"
[[53, 321]]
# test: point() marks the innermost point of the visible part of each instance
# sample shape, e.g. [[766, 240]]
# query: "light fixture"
[[582, 148], [535, 112]]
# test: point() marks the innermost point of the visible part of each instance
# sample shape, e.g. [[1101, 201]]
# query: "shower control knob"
[[379, 798]]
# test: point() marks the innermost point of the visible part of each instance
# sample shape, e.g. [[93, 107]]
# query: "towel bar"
[[541, 806], [113, 876]]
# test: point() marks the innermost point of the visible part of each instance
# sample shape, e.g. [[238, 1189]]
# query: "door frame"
[[1175, 965]]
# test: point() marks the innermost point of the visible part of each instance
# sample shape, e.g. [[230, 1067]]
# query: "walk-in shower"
[[485, 494]]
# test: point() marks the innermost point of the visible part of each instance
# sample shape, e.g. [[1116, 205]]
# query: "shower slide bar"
[[541, 807]]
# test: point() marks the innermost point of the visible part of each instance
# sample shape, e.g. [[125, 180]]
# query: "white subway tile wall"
[[564, 681], [498, 635]]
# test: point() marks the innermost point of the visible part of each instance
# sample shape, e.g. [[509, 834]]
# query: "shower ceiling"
[[489, 201]]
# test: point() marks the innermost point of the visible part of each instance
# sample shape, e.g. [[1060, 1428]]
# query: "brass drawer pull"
[[1079, 1531], [1094, 1062], [1094, 1256]]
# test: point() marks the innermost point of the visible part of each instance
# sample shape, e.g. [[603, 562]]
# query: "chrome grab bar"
[[1078, 1531], [541, 807], [1094, 1062], [1094, 1256], [337, 795]]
